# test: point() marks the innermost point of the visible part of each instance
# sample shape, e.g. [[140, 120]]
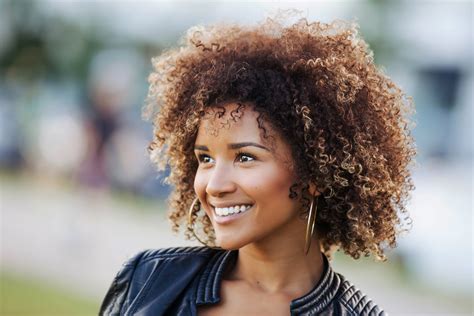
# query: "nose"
[[220, 181]]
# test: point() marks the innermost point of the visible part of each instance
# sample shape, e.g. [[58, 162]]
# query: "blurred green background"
[[78, 194]]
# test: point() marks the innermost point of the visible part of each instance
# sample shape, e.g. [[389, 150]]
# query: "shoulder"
[[140, 272], [172, 257], [355, 302], [146, 256], [147, 261]]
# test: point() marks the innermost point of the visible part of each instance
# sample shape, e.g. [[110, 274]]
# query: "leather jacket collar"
[[209, 284]]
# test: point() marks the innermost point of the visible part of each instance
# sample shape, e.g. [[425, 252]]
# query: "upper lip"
[[228, 204]]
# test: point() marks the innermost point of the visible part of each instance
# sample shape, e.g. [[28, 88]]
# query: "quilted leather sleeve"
[[114, 299], [356, 303]]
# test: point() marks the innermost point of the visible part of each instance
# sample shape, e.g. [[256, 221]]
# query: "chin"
[[230, 244]]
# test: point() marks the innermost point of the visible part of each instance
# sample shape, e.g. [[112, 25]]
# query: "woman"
[[285, 143]]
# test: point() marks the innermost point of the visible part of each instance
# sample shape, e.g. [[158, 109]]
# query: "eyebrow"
[[233, 146]]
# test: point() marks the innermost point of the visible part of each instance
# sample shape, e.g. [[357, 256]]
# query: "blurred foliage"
[[48, 46], [22, 296]]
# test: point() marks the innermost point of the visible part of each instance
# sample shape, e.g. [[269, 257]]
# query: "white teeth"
[[224, 211]]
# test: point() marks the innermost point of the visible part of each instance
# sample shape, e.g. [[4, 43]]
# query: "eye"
[[245, 157], [203, 158]]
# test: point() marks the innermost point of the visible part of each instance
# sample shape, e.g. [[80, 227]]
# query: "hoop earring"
[[196, 207], [310, 225]]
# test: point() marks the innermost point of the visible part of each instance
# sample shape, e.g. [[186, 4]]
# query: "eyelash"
[[201, 157], [242, 153]]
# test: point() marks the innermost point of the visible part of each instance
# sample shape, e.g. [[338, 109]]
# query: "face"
[[243, 180]]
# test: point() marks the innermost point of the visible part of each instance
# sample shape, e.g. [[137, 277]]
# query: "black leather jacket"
[[175, 281]]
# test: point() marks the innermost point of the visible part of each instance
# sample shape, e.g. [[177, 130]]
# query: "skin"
[[271, 265]]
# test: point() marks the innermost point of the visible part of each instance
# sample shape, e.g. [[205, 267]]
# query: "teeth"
[[224, 211]]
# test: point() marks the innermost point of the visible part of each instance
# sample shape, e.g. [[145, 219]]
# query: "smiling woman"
[[285, 143]]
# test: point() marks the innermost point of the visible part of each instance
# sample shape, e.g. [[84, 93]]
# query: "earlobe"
[[313, 190]]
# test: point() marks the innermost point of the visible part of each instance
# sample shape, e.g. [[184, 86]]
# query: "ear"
[[313, 190]]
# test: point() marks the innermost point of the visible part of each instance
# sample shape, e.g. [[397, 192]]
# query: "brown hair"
[[316, 84]]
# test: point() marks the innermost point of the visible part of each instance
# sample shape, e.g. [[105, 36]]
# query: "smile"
[[231, 210]]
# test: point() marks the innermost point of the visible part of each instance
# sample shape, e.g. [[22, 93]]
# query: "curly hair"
[[317, 85]]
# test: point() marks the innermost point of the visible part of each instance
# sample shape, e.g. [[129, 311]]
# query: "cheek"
[[271, 185], [200, 185], [200, 182]]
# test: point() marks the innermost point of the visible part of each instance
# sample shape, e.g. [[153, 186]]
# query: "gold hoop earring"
[[310, 225], [196, 207]]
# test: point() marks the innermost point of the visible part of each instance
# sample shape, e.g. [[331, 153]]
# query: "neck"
[[281, 269]]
